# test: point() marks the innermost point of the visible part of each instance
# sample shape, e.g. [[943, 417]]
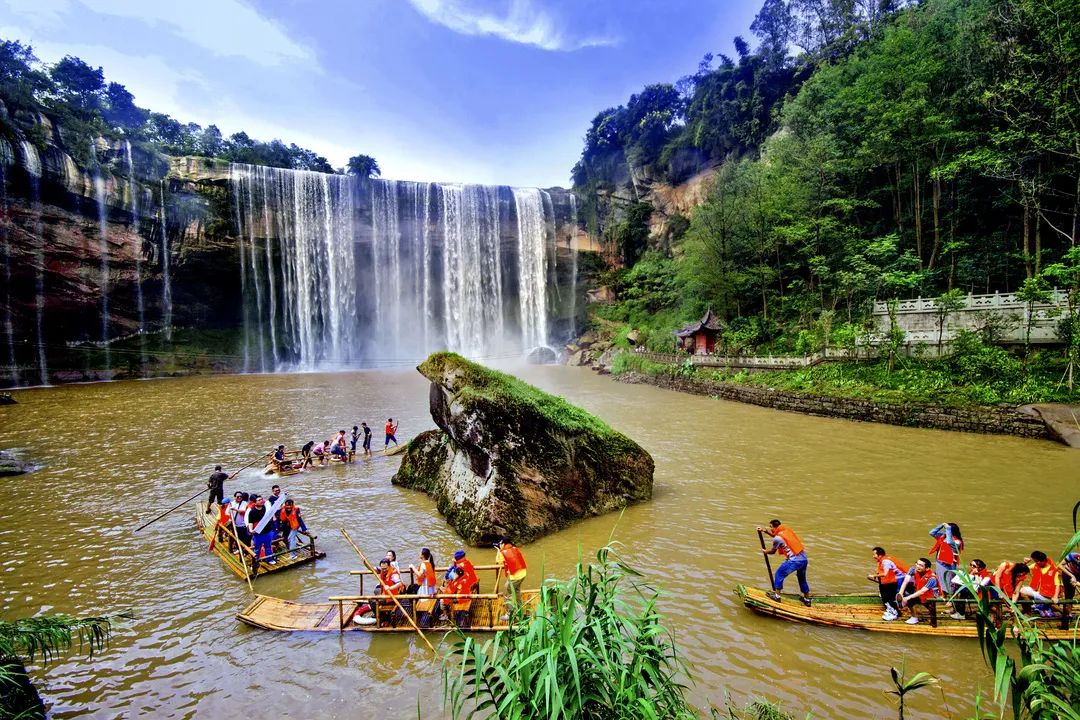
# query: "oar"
[[196, 495], [768, 565], [386, 591], [243, 560]]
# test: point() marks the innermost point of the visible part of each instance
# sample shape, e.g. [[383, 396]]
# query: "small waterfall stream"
[[5, 245], [166, 277], [572, 244], [140, 305], [32, 163], [101, 199]]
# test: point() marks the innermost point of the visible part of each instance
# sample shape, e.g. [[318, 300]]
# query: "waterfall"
[[572, 245], [101, 199], [433, 266], [532, 266], [298, 264], [133, 190], [32, 163], [9, 324], [166, 279]]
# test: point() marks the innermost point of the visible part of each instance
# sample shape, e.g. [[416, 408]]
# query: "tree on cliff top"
[[364, 166]]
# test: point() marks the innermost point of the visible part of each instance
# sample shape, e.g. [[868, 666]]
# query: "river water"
[[115, 454]]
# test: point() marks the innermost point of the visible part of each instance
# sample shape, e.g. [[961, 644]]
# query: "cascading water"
[[133, 190], [571, 245], [5, 244], [166, 278], [299, 269], [32, 163], [435, 266], [101, 199], [532, 266]]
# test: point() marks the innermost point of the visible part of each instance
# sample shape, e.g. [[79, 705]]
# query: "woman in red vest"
[[513, 564], [425, 573]]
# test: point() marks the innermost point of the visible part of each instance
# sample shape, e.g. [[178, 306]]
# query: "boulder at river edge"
[[509, 459]]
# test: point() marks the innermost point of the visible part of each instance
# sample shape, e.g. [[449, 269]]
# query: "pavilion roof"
[[707, 322]]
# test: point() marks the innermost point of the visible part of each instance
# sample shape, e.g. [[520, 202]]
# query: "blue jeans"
[[797, 565], [390, 437], [263, 541]]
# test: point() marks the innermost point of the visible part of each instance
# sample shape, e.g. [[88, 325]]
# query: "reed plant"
[[592, 647]]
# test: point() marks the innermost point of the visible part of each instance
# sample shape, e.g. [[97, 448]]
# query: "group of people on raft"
[[1035, 579], [258, 522], [428, 600], [341, 447]]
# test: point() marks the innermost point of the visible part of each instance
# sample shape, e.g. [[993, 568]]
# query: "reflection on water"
[[116, 454]]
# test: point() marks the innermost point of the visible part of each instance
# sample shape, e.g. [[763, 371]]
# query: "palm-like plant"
[[28, 639], [905, 685]]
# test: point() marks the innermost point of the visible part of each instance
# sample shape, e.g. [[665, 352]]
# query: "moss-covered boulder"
[[510, 459]]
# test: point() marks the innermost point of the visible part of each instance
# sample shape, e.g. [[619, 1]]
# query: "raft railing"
[[485, 616], [438, 570], [997, 606]]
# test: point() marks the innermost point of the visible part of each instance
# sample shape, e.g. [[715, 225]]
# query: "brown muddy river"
[[116, 454]]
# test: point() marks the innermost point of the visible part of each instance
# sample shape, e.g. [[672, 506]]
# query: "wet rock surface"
[[509, 459]]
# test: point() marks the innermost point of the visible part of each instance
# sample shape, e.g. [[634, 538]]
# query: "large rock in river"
[[509, 459]]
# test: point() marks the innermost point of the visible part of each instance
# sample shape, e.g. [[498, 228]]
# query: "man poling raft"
[[786, 542]]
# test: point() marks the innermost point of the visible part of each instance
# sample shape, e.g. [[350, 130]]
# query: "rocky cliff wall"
[[99, 255]]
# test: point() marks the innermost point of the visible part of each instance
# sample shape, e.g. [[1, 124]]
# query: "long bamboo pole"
[[768, 565], [243, 560], [177, 507], [386, 591]]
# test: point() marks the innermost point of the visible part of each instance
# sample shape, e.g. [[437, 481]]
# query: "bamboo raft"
[[339, 614], [305, 551], [862, 611]]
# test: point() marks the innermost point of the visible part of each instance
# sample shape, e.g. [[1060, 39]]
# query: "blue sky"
[[487, 91]]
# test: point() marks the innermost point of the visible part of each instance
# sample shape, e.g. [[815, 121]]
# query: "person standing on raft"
[[216, 485], [391, 433], [787, 542], [513, 564], [367, 438]]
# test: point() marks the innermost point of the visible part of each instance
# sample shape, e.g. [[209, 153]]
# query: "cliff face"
[[512, 460], [101, 258]]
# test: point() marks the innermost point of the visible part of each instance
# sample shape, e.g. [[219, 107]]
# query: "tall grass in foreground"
[[593, 647]]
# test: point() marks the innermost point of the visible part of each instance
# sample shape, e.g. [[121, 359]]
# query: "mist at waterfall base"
[[346, 272]]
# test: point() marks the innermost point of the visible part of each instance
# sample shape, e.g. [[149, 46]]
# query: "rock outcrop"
[[11, 465], [509, 459]]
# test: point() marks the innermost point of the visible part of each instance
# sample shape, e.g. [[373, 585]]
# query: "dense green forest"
[[77, 98], [864, 149]]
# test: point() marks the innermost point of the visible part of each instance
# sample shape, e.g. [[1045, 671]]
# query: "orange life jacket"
[[920, 580], [889, 577], [457, 587], [292, 518], [1044, 580], [389, 428], [1003, 579], [223, 516], [427, 574], [468, 573], [513, 562], [794, 544], [387, 576], [945, 554]]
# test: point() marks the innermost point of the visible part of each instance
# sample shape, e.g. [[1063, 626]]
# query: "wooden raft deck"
[[862, 611], [270, 613], [305, 552]]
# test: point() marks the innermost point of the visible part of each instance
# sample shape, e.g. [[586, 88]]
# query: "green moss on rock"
[[511, 459]]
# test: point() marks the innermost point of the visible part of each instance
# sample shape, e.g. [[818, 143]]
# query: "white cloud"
[[225, 28], [521, 22]]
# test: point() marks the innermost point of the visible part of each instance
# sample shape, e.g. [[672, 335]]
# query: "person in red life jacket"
[[976, 576], [787, 543], [425, 573], [513, 566], [468, 572], [456, 608], [222, 533], [391, 433], [389, 584], [919, 585], [291, 524], [890, 573], [1070, 575], [1045, 584], [948, 544], [1009, 579]]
